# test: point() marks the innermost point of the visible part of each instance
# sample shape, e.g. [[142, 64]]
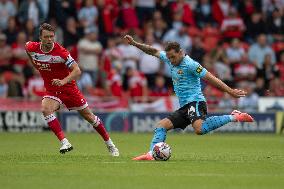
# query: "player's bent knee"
[[46, 110], [197, 126], [165, 123]]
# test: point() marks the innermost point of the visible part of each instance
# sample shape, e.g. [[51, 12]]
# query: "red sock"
[[98, 125], [55, 126]]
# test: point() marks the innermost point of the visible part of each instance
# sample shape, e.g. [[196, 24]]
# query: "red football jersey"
[[52, 65]]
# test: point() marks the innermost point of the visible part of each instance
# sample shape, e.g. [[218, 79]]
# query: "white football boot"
[[66, 146], [112, 149]]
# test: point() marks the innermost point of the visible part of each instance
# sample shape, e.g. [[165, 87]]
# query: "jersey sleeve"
[[67, 57], [163, 57], [28, 46], [196, 69]]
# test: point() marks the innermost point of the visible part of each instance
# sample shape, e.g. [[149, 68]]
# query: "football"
[[161, 151]]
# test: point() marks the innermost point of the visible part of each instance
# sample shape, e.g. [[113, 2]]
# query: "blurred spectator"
[[11, 31], [223, 71], [258, 50], [218, 53], [112, 56], [7, 9], [235, 52], [20, 58], [85, 83], [246, 8], [130, 56], [159, 26], [269, 70], [30, 9], [159, 88], [72, 33], [164, 7], [220, 10], [177, 21], [244, 71], [211, 37], [179, 35], [182, 7], [208, 63], [280, 66], [150, 65], [62, 10], [58, 31], [5, 54], [249, 103], [232, 26], [227, 103], [135, 84], [114, 82], [145, 9], [89, 49], [213, 95], [128, 16], [45, 7], [88, 15], [275, 25], [3, 87], [197, 51], [260, 87], [276, 87], [108, 13], [15, 84], [269, 5], [101, 88], [203, 13], [255, 25], [31, 31], [35, 86]]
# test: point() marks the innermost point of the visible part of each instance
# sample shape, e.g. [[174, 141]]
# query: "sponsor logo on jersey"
[[191, 111], [180, 72], [47, 58], [199, 69]]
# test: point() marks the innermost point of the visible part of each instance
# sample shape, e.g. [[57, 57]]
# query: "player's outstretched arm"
[[74, 74], [145, 48], [236, 93]]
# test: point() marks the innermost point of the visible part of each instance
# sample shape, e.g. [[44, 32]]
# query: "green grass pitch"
[[32, 161]]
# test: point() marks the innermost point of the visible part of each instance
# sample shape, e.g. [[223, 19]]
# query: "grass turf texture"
[[213, 161]]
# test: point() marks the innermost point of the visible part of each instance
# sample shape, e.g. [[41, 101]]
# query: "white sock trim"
[[109, 142], [63, 141], [49, 118], [96, 121]]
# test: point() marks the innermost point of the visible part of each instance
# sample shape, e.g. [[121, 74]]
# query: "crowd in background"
[[240, 41]]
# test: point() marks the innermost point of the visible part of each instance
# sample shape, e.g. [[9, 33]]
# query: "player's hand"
[[58, 82], [129, 39], [237, 93]]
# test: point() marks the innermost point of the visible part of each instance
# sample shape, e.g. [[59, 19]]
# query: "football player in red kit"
[[59, 71]]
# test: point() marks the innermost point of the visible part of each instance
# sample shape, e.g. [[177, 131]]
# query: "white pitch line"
[[36, 162]]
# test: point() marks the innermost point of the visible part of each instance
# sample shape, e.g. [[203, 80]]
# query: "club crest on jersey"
[[199, 69], [180, 72], [52, 59]]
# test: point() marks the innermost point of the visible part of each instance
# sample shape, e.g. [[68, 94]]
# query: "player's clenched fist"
[[58, 82], [129, 39]]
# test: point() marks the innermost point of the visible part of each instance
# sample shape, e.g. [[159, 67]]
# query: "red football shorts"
[[71, 98]]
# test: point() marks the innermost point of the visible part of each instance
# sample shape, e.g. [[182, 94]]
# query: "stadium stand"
[[242, 42]]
